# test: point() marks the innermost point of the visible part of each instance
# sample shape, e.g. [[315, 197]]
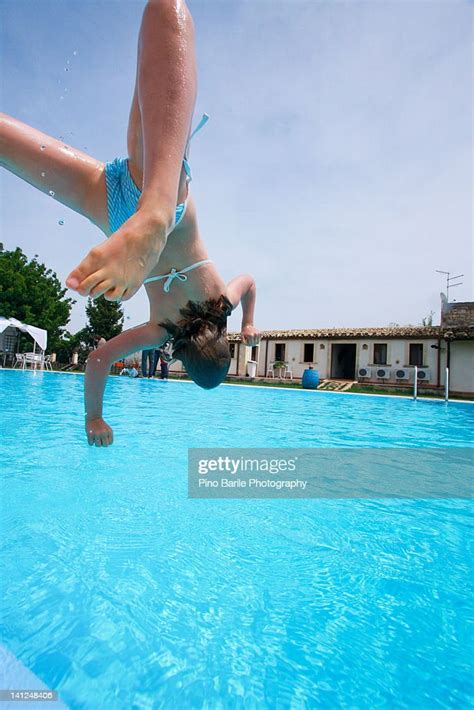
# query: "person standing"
[[165, 358], [164, 366], [147, 362]]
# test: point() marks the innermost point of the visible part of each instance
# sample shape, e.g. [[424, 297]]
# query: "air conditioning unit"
[[401, 373], [424, 374], [363, 372], [383, 373]]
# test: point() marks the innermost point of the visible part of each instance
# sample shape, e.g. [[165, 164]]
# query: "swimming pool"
[[120, 592]]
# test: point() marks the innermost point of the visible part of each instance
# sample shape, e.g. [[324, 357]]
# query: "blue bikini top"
[[201, 124], [175, 274], [181, 208]]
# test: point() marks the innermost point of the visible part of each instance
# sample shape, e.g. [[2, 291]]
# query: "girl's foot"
[[117, 267]]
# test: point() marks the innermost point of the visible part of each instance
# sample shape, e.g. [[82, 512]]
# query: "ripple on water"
[[122, 592]]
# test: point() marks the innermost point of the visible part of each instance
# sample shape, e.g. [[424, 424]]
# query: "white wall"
[[397, 354], [461, 375]]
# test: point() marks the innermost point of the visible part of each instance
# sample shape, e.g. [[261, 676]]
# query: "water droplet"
[[67, 61], [66, 68], [75, 53], [61, 222], [51, 192], [43, 174], [43, 147], [65, 90], [98, 359], [61, 98]]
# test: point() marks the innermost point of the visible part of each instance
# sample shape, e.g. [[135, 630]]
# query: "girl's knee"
[[171, 10], [165, 4]]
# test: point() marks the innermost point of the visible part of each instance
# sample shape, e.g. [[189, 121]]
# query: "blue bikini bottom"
[[123, 194]]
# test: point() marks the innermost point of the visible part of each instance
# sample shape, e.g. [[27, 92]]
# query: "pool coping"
[[271, 387]]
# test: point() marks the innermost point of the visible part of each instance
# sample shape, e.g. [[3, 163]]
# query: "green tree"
[[32, 293], [105, 319], [79, 343]]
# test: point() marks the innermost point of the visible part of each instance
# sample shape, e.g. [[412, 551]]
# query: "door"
[[343, 361]]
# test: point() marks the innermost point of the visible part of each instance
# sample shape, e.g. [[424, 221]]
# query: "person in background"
[[148, 363], [129, 371], [165, 358], [156, 359]]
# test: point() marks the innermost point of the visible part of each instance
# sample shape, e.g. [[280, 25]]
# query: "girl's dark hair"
[[199, 340]]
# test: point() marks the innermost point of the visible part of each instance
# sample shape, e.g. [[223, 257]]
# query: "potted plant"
[[279, 365]]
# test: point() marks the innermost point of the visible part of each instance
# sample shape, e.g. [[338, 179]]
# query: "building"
[[382, 356]]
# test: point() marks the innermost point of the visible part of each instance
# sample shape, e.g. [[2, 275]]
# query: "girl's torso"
[[184, 247]]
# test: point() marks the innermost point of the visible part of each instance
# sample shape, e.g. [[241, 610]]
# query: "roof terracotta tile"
[[408, 331]]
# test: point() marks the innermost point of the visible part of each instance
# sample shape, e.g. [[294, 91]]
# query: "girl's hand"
[[98, 432], [250, 335]]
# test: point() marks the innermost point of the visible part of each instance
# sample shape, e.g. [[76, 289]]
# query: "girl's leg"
[[66, 174], [135, 150], [160, 120], [164, 98]]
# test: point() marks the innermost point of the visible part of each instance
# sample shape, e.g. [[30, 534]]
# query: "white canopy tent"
[[39, 335]]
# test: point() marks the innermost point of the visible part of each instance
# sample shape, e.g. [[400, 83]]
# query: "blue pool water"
[[120, 592]]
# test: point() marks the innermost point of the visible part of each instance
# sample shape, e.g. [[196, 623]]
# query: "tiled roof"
[[408, 331]]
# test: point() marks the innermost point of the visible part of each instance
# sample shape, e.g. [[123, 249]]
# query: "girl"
[[142, 204]]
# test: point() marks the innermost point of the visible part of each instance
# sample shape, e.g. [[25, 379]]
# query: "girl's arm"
[[242, 290], [99, 362]]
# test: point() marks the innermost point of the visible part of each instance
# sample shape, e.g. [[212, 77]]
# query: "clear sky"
[[336, 167]]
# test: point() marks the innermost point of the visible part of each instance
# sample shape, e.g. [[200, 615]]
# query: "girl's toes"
[[114, 294], [88, 285], [129, 292], [74, 279], [100, 289]]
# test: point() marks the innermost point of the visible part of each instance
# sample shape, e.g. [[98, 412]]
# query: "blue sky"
[[336, 167]]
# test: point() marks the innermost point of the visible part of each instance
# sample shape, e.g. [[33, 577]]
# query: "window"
[[232, 350], [280, 352], [308, 354], [416, 354], [254, 356], [9, 343], [380, 353]]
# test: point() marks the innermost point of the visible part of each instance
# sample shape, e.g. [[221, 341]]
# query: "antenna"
[[450, 278]]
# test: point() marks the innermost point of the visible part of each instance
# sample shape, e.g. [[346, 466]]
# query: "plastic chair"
[[33, 359], [19, 360], [287, 371], [270, 370]]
